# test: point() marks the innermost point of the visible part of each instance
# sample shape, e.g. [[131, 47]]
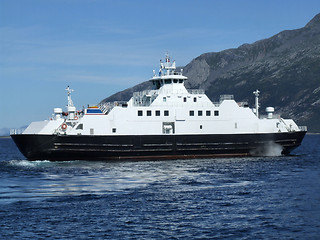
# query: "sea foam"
[[270, 149]]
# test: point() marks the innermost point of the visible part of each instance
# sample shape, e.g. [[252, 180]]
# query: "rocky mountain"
[[285, 68]]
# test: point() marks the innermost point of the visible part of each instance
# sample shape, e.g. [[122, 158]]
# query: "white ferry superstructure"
[[169, 122]]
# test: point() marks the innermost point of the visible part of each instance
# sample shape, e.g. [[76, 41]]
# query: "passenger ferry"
[[169, 122]]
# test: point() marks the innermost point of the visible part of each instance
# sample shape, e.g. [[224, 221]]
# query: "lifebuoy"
[[76, 118], [64, 126]]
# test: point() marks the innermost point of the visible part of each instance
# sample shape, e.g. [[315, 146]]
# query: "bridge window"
[[175, 80], [167, 81], [180, 81]]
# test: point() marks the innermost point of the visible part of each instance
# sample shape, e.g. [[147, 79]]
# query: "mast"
[[69, 91], [70, 107], [256, 93]]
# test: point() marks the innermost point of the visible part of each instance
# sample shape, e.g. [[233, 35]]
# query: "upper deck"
[[168, 82], [167, 74]]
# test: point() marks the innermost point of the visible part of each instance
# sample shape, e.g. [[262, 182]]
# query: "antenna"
[[167, 57]]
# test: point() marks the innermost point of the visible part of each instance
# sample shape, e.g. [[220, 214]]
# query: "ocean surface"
[[275, 197]]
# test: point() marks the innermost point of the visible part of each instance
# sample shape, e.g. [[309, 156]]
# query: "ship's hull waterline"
[[145, 147]]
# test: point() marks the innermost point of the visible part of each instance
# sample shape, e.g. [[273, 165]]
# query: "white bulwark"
[[169, 109]]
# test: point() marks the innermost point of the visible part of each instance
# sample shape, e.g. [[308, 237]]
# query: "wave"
[[270, 149], [26, 163]]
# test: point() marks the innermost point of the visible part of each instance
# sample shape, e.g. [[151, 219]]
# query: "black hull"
[[80, 147]]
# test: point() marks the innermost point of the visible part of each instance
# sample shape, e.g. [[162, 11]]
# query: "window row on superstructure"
[[156, 113], [168, 81], [200, 113]]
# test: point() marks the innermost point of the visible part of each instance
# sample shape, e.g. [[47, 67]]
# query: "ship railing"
[[226, 97], [303, 128], [274, 116], [196, 91], [145, 93], [15, 131], [144, 98], [173, 91], [106, 107], [177, 73], [169, 72], [243, 104]]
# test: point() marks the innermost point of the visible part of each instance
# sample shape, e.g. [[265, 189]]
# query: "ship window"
[[191, 113], [216, 113], [180, 81], [157, 113], [166, 113], [175, 80], [199, 113], [194, 99], [157, 83], [164, 99], [91, 131], [80, 126], [208, 113], [114, 130], [185, 99], [140, 113], [167, 81], [200, 126], [148, 113]]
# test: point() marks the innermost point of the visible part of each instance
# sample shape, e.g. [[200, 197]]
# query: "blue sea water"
[[228, 198]]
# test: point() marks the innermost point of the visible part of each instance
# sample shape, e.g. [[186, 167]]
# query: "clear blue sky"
[[99, 47]]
